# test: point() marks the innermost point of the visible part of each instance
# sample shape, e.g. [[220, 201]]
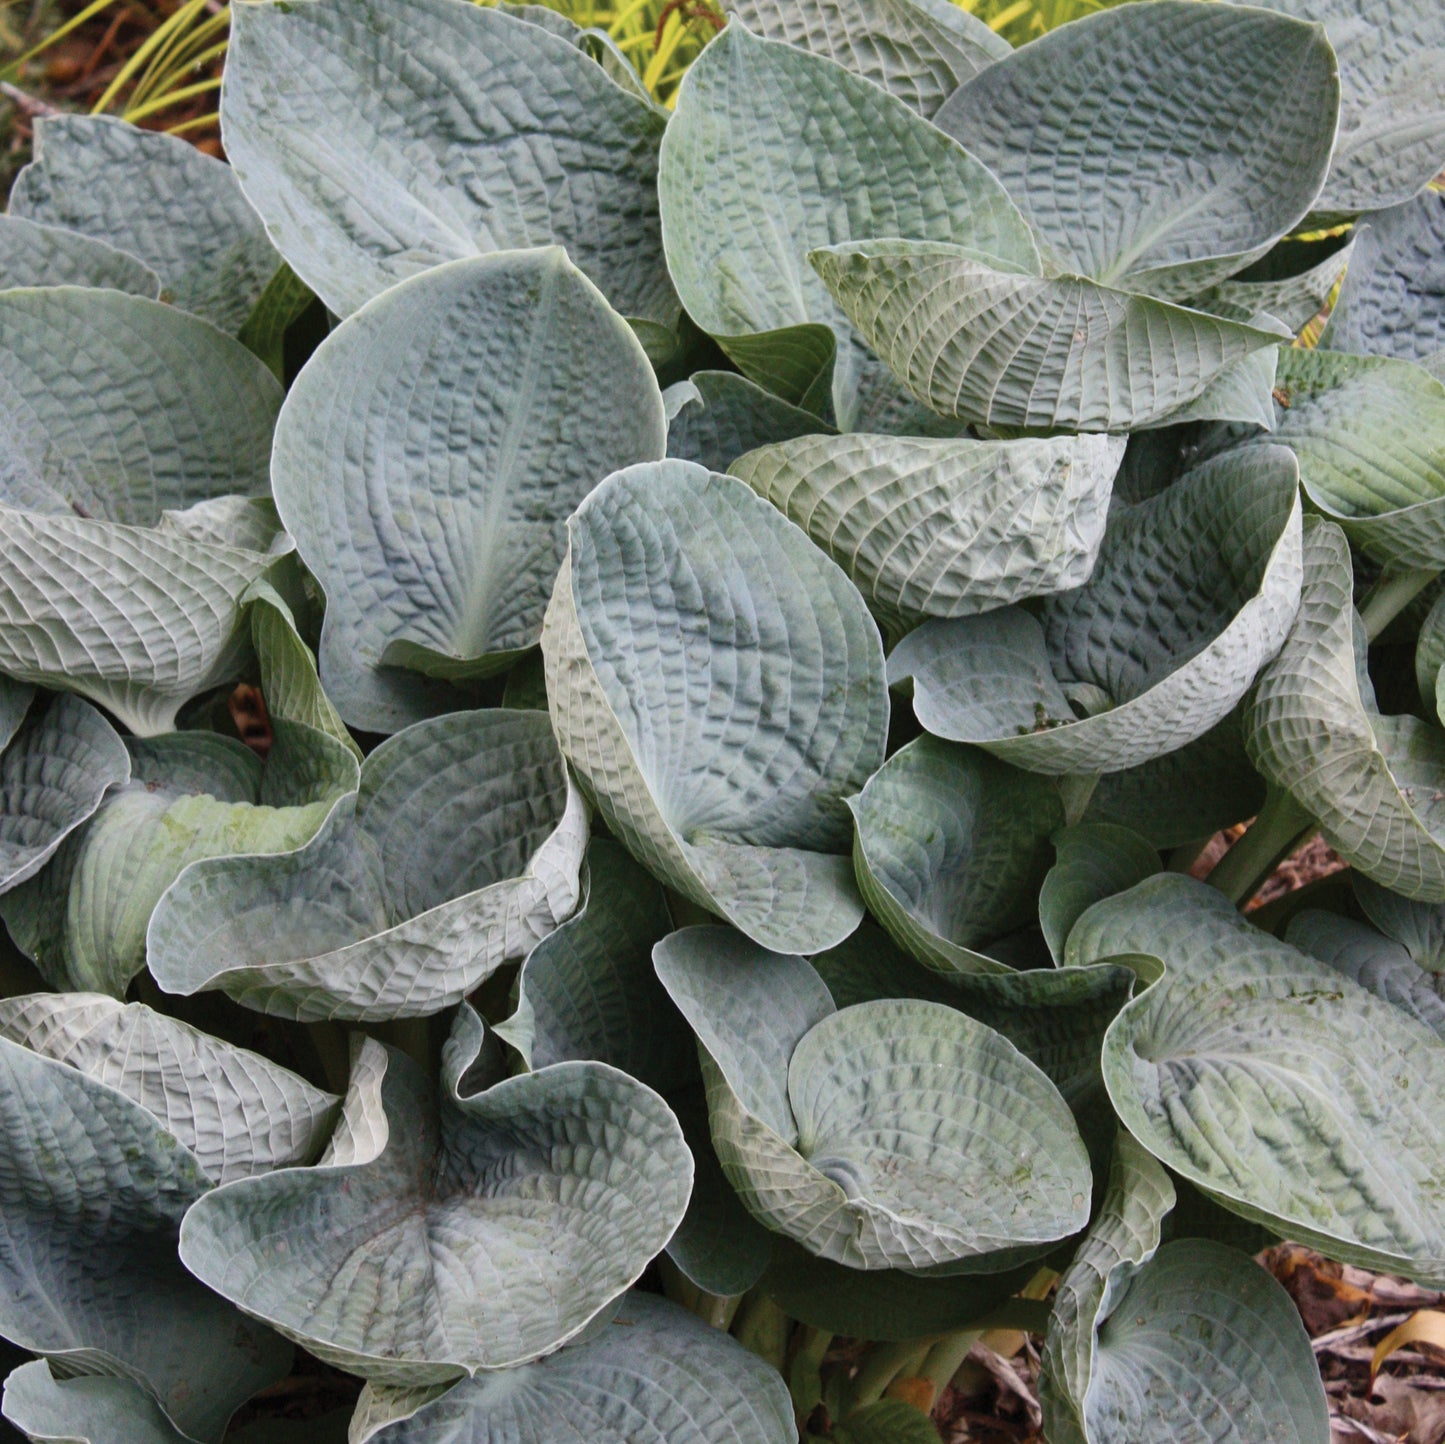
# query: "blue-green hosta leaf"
[[1125, 186], [775, 151], [1293, 1095], [1392, 302], [460, 851], [945, 527], [53, 777], [1392, 116], [1295, 298], [1376, 963], [1418, 927], [1193, 591], [94, 1190], [920, 50], [1373, 783], [951, 847], [15, 700], [32, 254], [654, 1375], [588, 990], [717, 683], [442, 1236], [379, 144], [157, 197], [191, 795], [1094, 860], [715, 416], [237, 1112], [90, 1409], [427, 458], [1369, 432], [971, 339], [847, 1131], [1189, 1342]]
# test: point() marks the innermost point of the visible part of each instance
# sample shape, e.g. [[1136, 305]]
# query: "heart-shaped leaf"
[[1193, 591], [1291, 1094], [717, 684], [460, 851], [443, 1236], [32, 254], [377, 145], [944, 527], [437, 539]]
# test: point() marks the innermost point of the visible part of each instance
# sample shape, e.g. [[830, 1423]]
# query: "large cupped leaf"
[[1125, 185], [90, 1409], [945, 527], [93, 1190], [655, 1373], [1193, 591], [950, 850], [116, 414], [715, 416], [1369, 432], [775, 151], [1013, 347], [461, 850], [890, 1134], [32, 254], [717, 683], [1095, 860], [157, 198], [920, 50], [1288, 1092], [53, 776], [1191, 1342], [428, 456], [379, 142], [237, 1112], [1312, 727], [442, 1236], [1392, 301], [1392, 116]]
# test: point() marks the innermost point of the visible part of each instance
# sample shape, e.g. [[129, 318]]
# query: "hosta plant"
[[746, 617]]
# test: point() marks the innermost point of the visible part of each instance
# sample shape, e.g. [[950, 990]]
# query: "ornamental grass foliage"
[[758, 604]]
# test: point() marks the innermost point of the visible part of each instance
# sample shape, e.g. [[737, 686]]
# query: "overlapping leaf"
[[1121, 183], [32, 254], [459, 852], [1094, 861], [1278, 288], [443, 1236], [819, 1115], [717, 683], [427, 458], [1417, 927], [715, 416], [1194, 589], [90, 1409], [1291, 1094], [377, 144], [944, 527], [1312, 727]]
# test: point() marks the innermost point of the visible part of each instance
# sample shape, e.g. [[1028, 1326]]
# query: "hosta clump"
[[708, 639]]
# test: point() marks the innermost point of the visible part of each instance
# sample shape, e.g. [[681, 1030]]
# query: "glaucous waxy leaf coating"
[[380, 140], [1094, 860], [944, 527], [1291, 1094], [1193, 591], [1391, 57], [90, 1409], [973, 339], [951, 847], [1312, 727], [1125, 186], [717, 683], [1418, 927], [920, 50], [157, 198], [715, 416], [94, 1189], [427, 458], [1393, 300], [818, 1115], [774, 151], [1291, 295], [654, 1373], [32, 254], [460, 851], [442, 1236]]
